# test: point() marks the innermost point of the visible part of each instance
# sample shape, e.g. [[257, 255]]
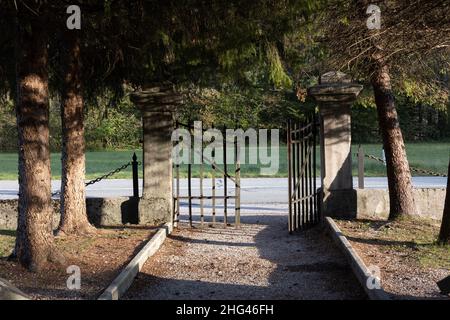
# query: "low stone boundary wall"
[[101, 211], [371, 204], [374, 203]]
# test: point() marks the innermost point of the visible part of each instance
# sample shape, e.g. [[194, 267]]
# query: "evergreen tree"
[[409, 31]]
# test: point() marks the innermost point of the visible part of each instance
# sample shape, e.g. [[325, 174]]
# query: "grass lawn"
[[431, 156], [97, 164]]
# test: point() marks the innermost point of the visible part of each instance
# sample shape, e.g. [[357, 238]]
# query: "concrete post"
[[157, 103], [335, 93]]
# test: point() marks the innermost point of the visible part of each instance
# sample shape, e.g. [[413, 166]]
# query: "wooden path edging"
[[124, 280]]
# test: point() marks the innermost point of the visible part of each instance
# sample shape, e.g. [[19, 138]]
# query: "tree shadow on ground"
[[8, 233], [96, 274], [305, 265], [383, 242], [308, 265]]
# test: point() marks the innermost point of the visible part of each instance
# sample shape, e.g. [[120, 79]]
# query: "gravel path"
[[258, 261]]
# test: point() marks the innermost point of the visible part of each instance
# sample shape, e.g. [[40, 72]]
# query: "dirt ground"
[[100, 257], [258, 261], [405, 251]]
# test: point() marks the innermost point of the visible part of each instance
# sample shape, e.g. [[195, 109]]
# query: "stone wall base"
[[370, 204], [374, 203], [155, 211], [101, 212], [340, 203]]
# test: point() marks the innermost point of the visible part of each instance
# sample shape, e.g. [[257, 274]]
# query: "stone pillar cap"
[[157, 97], [335, 87], [334, 77]]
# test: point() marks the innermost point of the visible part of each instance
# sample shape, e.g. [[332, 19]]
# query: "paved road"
[[258, 194], [254, 190]]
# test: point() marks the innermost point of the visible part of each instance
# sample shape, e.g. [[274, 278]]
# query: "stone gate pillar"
[[157, 103], [335, 94]]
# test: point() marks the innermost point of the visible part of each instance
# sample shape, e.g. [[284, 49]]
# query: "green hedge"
[[119, 126]]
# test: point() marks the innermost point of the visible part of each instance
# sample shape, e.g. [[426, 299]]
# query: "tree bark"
[[397, 166], [34, 241], [73, 195], [444, 234]]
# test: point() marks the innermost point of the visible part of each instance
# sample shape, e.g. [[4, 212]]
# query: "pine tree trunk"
[[34, 240], [73, 195], [398, 172], [444, 234]]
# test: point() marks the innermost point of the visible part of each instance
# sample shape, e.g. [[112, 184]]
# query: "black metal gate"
[[208, 169], [303, 196]]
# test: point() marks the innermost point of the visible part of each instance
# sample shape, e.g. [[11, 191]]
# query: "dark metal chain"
[[106, 176], [431, 173]]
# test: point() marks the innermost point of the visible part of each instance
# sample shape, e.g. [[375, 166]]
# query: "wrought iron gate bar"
[[206, 197], [303, 196], [237, 187], [302, 128], [302, 172], [209, 161], [213, 186], [190, 193], [305, 138], [202, 213], [289, 155], [215, 168]]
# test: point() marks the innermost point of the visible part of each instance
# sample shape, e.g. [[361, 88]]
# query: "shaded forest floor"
[[409, 259], [100, 258]]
